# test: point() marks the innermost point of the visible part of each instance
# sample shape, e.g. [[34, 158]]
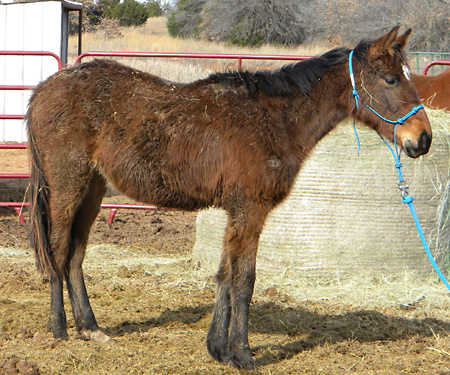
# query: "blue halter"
[[401, 120], [406, 198]]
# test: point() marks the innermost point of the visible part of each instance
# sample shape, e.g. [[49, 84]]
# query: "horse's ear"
[[403, 39], [384, 44]]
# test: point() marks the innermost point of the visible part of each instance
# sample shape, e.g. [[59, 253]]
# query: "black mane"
[[302, 75]]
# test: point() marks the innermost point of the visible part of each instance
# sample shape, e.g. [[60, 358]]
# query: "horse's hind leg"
[[85, 215], [64, 201], [57, 320]]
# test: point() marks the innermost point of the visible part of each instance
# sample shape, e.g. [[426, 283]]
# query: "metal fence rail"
[[18, 206], [419, 60], [219, 56], [430, 65]]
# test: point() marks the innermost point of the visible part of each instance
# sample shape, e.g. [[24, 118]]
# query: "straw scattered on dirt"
[[156, 305]]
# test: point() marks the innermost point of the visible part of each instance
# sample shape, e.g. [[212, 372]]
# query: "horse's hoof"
[[218, 351], [97, 336], [61, 337], [242, 360], [60, 334]]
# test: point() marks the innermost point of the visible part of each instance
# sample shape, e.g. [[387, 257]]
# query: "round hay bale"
[[345, 213]]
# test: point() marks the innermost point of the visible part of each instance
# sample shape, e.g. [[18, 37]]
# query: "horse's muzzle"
[[421, 147]]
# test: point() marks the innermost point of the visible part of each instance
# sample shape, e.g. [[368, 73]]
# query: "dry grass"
[[153, 37], [158, 310], [362, 290]]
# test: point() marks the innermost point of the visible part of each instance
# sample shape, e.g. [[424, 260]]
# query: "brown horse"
[[232, 140], [434, 91]]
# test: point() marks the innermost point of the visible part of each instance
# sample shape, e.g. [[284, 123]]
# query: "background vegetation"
[[283, 22], [108, 14], [254, 22]]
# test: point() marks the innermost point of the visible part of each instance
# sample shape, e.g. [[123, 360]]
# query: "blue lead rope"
[[406, 198]]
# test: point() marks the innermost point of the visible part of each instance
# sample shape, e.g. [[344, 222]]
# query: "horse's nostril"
[[413, 149], [424, 141]]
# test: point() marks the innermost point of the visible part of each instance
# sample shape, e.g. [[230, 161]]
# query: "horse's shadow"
[[316, 329], [310, 329], [185, 314]]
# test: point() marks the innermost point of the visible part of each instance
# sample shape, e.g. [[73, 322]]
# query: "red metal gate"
[[435, 62], [18, 206]]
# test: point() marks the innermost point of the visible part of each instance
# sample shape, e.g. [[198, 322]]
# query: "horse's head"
[[383, 83]]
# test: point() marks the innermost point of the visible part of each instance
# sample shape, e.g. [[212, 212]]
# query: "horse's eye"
[[391, 80]]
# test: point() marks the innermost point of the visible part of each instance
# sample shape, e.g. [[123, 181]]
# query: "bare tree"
[[347, 21], [253, 22], [185, 19], [430, 21]]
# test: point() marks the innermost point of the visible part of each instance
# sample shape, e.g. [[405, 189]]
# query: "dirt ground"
[[154, 303]]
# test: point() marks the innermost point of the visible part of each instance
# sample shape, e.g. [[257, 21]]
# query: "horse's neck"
[[321, 112]]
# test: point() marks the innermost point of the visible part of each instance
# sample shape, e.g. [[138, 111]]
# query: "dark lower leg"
[[241, 294], [236, 280], [217, 339], [57, 320], [243, 247], [81, 308]]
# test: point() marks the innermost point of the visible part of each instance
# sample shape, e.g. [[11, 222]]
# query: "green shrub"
[[185, 21], [129, 12], [154, 8]]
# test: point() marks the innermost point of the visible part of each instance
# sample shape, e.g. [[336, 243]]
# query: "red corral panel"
[[22, 87], [435, 62]]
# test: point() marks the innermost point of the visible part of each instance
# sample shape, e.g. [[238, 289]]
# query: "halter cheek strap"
[[399, 121]]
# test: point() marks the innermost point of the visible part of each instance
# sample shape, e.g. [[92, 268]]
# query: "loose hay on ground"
[[159, 319]]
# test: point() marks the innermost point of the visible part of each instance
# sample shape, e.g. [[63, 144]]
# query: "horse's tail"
[[39, 195]]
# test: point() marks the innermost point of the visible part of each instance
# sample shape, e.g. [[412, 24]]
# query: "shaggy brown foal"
[[232, 140]]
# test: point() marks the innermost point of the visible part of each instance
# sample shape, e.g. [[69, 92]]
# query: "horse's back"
[[156, 141], [184, 146], [91, 92]]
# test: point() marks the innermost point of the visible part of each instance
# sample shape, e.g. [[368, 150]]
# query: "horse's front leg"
[[217, 339], [236, 279], [243, 280]]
